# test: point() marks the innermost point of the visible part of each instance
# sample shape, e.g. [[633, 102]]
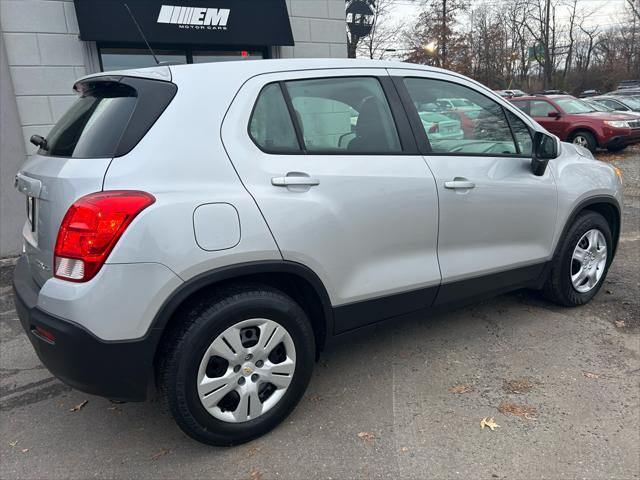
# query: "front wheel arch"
[[607, 206], [578, 130]]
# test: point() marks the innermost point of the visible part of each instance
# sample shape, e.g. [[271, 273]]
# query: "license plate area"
[[31, 213]]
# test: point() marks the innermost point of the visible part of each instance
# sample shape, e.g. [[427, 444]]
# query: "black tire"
[[184, 348], [591, 143], [558, 287]]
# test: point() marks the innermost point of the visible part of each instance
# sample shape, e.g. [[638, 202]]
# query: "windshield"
[[600, 107], [631, 102], [573, 105]]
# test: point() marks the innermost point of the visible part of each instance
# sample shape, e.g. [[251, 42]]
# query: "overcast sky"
[[605, 12]]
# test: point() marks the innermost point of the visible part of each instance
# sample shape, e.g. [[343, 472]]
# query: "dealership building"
[[47, 44]]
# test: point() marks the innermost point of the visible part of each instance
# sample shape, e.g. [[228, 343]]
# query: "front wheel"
[[584, 139], [581, 262], [237, 365]]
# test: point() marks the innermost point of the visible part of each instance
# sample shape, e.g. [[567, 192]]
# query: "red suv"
[[575, 121]]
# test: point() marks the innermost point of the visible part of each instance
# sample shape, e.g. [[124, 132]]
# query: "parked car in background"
[[590, 93], [627, 92], [510, 93], [575, 121], [440, 126], [619, 102], [551, 92], [601, 107], [624, 84]]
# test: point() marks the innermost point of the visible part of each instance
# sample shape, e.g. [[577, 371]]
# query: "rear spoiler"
[[161, 73]]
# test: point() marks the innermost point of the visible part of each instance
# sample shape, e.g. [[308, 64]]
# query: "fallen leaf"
[[14, 443], [404, 449], [80, 406], [254, 474], [25, 450], [590, 375], [159, 454], [252, 450], [460, 388], [608, 292], [619, 323], [316, 398], [367, 436], [489, 422], [526, 411], [518, 385]]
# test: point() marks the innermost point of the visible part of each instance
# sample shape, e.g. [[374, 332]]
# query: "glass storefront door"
[[125, 58]]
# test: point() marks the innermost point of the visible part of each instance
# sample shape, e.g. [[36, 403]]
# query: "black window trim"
[[398, 115], [424, 145]]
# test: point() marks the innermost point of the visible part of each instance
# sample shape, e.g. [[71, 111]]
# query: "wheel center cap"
[[247, 369]]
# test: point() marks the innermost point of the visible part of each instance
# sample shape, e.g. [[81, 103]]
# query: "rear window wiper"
[[39, 141]]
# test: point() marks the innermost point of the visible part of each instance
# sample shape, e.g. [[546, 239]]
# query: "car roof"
[[250, 68]]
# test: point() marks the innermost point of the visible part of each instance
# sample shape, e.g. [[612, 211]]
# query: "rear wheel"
[[582, 261], [238, 365], [584, 139]]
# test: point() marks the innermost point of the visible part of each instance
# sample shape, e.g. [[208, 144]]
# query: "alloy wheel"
[[588, 261], [582, 141], [246, 370]]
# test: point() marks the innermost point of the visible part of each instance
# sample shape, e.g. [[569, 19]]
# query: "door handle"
[[459, 184], [294, 180]]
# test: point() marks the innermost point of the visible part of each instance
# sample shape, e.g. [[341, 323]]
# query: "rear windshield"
[[109, 118], [93, 125]]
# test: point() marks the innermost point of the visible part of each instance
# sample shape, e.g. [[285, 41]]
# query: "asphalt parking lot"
[[404, 400]]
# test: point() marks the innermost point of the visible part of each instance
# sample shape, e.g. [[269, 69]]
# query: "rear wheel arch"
[[293, 279]]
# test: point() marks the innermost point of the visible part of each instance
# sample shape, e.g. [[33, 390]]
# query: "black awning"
[[192, 22]]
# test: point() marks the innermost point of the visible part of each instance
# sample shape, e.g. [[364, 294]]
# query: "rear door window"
[[344, 115], [540, 108]]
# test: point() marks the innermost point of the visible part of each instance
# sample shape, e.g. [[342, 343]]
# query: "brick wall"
[[318, 28], [45, 57]]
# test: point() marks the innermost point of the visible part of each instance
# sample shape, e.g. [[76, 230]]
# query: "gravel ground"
[[404, 400]]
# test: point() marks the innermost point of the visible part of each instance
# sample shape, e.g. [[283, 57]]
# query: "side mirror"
[[545, 148], [553, 114]]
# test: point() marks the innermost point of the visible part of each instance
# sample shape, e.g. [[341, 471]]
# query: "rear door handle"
[[294, 180], [459, 184]]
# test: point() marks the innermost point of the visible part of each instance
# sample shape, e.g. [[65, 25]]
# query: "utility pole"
[[443, 40], [547, 27]]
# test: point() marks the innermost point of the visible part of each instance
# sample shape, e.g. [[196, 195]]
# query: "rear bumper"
[[119, 370]]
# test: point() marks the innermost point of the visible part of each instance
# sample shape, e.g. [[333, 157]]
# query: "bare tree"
[[383, 33]]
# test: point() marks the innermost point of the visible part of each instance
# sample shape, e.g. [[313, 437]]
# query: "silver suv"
[[207, 229]]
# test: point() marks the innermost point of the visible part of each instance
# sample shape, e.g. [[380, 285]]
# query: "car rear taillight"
[[91, 228]]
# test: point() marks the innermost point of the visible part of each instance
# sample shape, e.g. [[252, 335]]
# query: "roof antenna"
[[142, 34]]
